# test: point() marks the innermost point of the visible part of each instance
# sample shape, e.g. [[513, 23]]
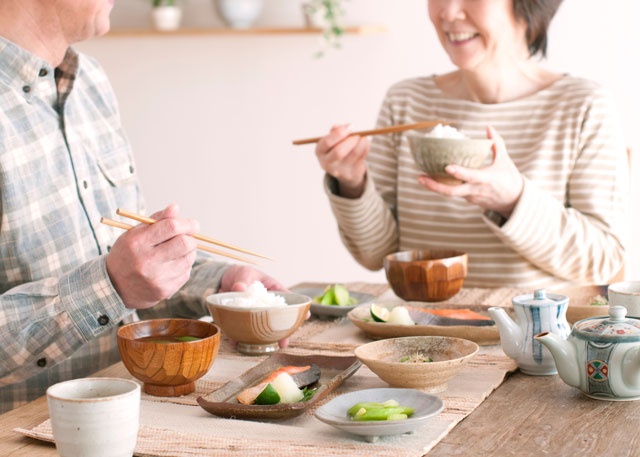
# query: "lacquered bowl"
[[258, 330], [433, 155], [426, 275], [449, 356], [168, 369]]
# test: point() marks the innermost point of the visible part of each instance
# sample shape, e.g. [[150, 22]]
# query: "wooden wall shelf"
[[357, 30]]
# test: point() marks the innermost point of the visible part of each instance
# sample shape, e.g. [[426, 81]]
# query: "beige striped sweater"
[[570, 223]]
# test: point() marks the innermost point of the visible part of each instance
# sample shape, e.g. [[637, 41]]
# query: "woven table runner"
[[177, 427]]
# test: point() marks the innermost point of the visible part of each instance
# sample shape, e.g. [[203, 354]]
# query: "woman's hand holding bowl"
[[496, 188]]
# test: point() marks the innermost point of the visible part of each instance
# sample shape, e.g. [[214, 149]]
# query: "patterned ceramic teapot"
[[534, 313], [601, 357]]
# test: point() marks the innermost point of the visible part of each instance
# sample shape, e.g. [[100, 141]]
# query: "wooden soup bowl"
[[168, 369], [427, 275]]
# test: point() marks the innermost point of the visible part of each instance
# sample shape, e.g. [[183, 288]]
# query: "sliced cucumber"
[[341, 294], [268, 396], [379, 313]]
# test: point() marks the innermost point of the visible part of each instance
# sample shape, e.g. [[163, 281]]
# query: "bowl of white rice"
[[257, 319], [445, 145]]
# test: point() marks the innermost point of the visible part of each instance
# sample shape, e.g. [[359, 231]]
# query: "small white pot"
[[239, 14], [95, 417], [166, 18]]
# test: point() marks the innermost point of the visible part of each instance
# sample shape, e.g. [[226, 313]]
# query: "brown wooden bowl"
[[168, 369], [426, 275]]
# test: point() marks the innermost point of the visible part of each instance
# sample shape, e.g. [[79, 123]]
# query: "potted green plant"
[[166, 15], [326, 15]]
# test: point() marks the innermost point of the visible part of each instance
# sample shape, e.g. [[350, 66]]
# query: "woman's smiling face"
[[475, 33]]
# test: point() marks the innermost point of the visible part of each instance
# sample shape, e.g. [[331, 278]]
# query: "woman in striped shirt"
[[550, 209]]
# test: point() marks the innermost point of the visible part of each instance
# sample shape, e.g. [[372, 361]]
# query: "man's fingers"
[[166, 229], [172, 210]]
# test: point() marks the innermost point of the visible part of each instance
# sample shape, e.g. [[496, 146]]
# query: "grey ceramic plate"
[[425, 406], [332, 310]]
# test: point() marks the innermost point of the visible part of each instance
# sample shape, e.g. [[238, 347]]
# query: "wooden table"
[[525, 416]]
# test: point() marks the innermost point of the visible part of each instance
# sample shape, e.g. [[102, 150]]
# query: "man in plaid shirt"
[[66, 281]]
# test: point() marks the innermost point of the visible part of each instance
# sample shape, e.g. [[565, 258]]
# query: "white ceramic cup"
[[626, 294], [95, 417]]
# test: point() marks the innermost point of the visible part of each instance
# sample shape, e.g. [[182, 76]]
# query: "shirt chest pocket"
[[117, 167]]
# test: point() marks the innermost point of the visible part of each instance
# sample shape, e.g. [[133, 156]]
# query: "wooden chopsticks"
[[148, 220], [392, 129]]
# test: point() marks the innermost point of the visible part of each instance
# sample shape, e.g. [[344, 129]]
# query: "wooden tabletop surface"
[[525, 416]]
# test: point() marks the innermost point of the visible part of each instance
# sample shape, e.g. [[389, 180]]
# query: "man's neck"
[[34, 29]]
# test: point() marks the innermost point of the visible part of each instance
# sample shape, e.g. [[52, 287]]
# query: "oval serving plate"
[[333, 370], [332, 310], [425, 406], [483, 335]]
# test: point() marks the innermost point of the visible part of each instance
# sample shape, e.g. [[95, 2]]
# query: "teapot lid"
[[615, 328], [539, 298]]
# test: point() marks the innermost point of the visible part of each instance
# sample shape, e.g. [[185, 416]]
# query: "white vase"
[[239, 14], [166, 18]]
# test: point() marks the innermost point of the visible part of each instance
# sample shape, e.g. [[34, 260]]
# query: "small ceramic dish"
[[426, 275], [333, 370], [434, 154], [425, 407], [482, 335], [586, 301], [258, 330], [448, 355], [332, 310], [168, 368]]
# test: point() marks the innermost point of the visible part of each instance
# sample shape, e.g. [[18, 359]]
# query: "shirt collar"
[[22, 69]]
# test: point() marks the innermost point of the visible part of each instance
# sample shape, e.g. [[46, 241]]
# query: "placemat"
[[174, 427], [177, 427]]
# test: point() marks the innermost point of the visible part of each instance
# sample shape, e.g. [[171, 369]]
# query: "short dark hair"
[[537, 14]]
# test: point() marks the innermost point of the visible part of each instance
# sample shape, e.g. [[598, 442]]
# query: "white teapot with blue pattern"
[[534, 313], [601, 357]]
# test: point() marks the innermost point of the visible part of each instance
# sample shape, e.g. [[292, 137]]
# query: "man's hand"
[[151, 262]]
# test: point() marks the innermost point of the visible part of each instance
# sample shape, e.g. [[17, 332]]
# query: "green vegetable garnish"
[[308, 393], [186, 339], [336, 295], [269, 396], [370, 411]]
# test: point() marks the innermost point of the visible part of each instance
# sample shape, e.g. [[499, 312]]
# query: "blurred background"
[[211, 116]]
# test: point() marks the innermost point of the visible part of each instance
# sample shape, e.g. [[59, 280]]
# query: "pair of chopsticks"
[[392, 129], [148, 220]]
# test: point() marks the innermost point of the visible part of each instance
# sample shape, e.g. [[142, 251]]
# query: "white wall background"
[[211, 118]]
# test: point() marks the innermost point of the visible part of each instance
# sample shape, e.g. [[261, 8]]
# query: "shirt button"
[[26, 89], [85, 184], [131, 169], [43, 72], [103, 320], [41, 362]]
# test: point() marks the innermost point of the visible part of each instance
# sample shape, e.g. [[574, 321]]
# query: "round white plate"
[[425, 406]]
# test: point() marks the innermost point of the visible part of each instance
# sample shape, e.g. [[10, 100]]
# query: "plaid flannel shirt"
[[64, 163]]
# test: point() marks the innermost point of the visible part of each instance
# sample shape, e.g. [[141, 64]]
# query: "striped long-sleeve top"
[[570, 222]]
